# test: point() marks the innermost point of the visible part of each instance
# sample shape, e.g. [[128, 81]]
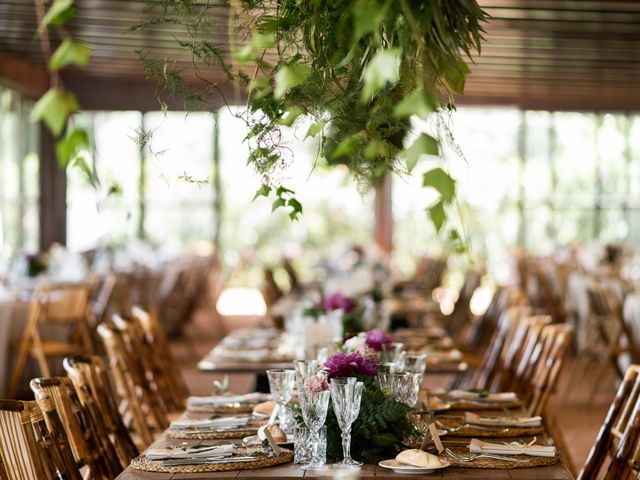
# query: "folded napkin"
[[249, 355], [478, 446], [474, 419], [225, 399], [166, 453], [225, 422], [505, 397]]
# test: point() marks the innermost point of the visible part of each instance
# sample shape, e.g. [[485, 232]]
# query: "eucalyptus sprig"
[[358, 69]]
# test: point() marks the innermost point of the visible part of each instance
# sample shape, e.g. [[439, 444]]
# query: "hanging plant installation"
[[359, 69]]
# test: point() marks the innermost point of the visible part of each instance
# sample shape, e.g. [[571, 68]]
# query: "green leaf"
[[283, 190], [289, 76], [423, 145], [263, 191], [58, 14], [277, 203], [290, 116], [440, 180], [70, 53], [296, 208], [262, 41], [437, 215], [315, 129], [53, 108], [367, 17], [375, 149], [416, 103], [455, 75], [382, 69], [346, 146], [67, 148]]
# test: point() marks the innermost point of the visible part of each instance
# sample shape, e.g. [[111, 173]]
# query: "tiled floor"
[[578, 416]]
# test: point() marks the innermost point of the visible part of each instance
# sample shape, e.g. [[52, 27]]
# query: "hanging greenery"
[[359, 69]]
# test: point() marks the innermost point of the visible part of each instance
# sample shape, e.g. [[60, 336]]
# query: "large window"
[[19, 184]]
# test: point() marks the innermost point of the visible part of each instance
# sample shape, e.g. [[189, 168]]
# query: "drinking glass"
[[345, 392], [415, 363], [406, 387], [281, 383], [305, 368], [314, 406], [391, 352], [302, 441]]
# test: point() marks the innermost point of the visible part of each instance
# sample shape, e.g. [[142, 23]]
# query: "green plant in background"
[[58, 104], [359, 69]]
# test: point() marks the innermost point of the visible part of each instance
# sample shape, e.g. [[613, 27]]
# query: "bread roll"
[[265, 407], [277, 433], [418, 458]]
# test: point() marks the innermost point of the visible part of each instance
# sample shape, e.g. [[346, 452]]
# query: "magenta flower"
[[316, 384], [338, 301], [376, 339], [350, 365]]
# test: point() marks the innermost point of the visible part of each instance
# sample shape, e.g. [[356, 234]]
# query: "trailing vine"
[[359, 69]]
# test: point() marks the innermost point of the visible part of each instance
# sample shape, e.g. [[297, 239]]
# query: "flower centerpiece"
[[337, 303], [368, 344], [383, 422]]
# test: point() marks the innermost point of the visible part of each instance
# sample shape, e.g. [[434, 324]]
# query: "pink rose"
[[316, 384]]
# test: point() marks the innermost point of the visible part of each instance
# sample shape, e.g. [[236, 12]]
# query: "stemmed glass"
[[414, 363], [281, 383], [404, 387], [314, 406], [346, 394], [305, 368]]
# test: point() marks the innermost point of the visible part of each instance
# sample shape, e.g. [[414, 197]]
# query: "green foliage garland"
[[382, 425], [359, 69]]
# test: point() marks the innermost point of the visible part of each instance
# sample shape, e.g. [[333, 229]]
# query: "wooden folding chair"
[[137, 396], [52, 437], [20, 454], [458, 321], [158, 350], [56, 304], [86, 434], [93, 387], [615, 451], [544, 366]]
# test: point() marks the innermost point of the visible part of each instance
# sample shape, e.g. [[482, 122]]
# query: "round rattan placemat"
[[262, 461], [501, 464], [471, 431]]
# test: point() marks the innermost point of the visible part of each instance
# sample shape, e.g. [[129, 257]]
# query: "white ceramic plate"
[[398, 467]]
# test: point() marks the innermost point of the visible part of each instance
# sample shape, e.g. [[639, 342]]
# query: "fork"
[[471, 458], [479, 427]]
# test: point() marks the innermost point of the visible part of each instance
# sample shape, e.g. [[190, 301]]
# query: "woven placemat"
[[471, 431], [213, 434], [262, 461], [239, 408], [499, 464]]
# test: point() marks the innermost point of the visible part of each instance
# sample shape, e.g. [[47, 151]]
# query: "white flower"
[[354, 343]]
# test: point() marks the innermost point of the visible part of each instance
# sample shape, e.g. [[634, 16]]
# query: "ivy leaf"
[[283, 190], [367, 17], [416, 103], [315, 129], [437, 215], [70, 53], [296, 208], [289, 76], [53, 108], [455, 75], [262, 41], [441, 181], [277, 203], [290, 116], [382, 69], [423, 145], [346, 146], [84, 164], [263, 191], [58, 14], [67, 148]]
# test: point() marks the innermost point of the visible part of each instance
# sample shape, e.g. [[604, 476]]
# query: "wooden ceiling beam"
[[19, 74]]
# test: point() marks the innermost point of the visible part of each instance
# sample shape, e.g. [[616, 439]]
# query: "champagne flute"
[[343, 398], [281, 383]]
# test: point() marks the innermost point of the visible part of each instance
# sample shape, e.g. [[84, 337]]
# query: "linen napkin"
[[166, 453], [474, 419], [208, 423], [256, 355], [506, 397], [225, 399], [479, 446]]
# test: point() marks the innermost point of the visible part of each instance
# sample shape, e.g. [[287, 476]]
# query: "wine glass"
[[305, 368], [281, 383], [344, 394], [314, 406], [416, 363], [405, 387]]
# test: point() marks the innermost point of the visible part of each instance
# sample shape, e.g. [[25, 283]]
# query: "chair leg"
[[18, 369], [38, 352]]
